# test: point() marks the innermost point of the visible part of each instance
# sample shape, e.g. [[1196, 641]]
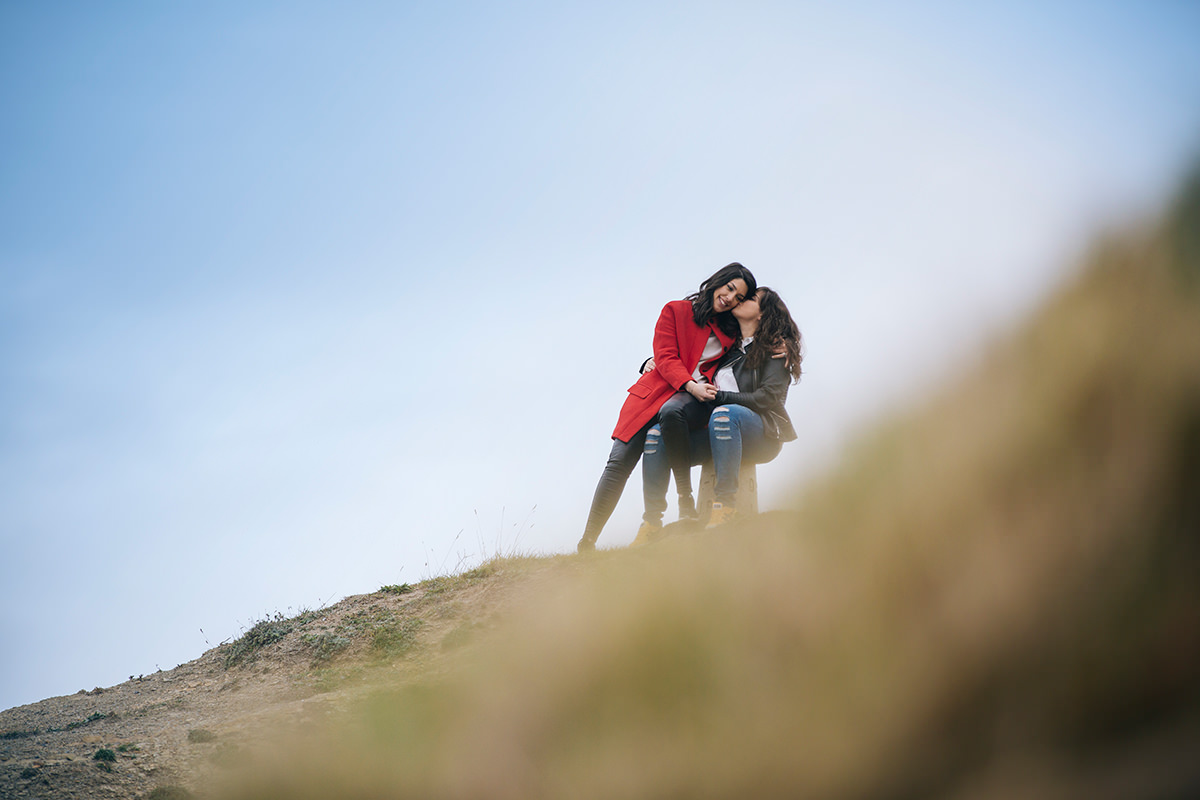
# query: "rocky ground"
[[168, 734]]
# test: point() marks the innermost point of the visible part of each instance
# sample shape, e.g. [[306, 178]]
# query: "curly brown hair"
[[776, 327]]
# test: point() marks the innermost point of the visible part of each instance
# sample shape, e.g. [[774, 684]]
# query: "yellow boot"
[[721, 514]]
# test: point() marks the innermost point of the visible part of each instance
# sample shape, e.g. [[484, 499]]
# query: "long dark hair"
[[776, 327], [702, 301]]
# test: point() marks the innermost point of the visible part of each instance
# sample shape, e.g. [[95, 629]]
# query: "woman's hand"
[[648, 366], [704, 392]]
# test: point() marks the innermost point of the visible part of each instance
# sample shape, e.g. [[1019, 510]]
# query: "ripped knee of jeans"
[[720, 424], [653, 440]]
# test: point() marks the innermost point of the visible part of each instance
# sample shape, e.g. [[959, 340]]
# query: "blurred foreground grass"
[[994, 596]]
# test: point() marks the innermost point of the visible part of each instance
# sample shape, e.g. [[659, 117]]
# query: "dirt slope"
[[176, 728]]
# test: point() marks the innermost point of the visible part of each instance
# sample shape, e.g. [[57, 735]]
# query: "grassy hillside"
[[165, 735], [993, 596]]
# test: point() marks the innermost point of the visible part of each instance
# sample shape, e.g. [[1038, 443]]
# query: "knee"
[[731, 413], [725, 423], [623, 458], [653, 441], [670, 413], [676, 407], [619, 467]]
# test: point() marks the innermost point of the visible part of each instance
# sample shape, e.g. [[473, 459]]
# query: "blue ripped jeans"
[[656, 469], [735, 436]]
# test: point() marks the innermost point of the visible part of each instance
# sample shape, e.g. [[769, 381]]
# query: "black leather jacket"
[[761, 390]]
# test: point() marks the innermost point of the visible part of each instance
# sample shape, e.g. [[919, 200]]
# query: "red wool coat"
[[678, 343]]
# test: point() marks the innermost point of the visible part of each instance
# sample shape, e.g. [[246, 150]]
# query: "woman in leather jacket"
[[749, 422]]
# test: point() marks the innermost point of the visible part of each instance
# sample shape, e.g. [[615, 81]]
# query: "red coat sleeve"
[[668, 345]]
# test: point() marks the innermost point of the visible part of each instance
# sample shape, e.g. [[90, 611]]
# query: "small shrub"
[[325, 645], [366, 621], [265, 632], [402, 588], [306, 616], [104, 759], [128, 748], [17, 734], [200, 736], [29, 772], [99, 715]]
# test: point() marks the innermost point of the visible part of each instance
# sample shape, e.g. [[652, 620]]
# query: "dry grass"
[[994, 596]]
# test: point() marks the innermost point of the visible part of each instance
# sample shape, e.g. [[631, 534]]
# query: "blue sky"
[[300, 300]]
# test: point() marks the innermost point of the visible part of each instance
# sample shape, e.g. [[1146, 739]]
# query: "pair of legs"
[[680, 415], [656, 472], [734, 436]]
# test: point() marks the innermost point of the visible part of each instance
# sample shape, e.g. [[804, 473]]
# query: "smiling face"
[[729, 296]]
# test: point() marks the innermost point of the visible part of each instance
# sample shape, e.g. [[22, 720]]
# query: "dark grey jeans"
[[681, 414]]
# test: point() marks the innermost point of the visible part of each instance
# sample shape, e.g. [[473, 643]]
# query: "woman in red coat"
[[689, 339]]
